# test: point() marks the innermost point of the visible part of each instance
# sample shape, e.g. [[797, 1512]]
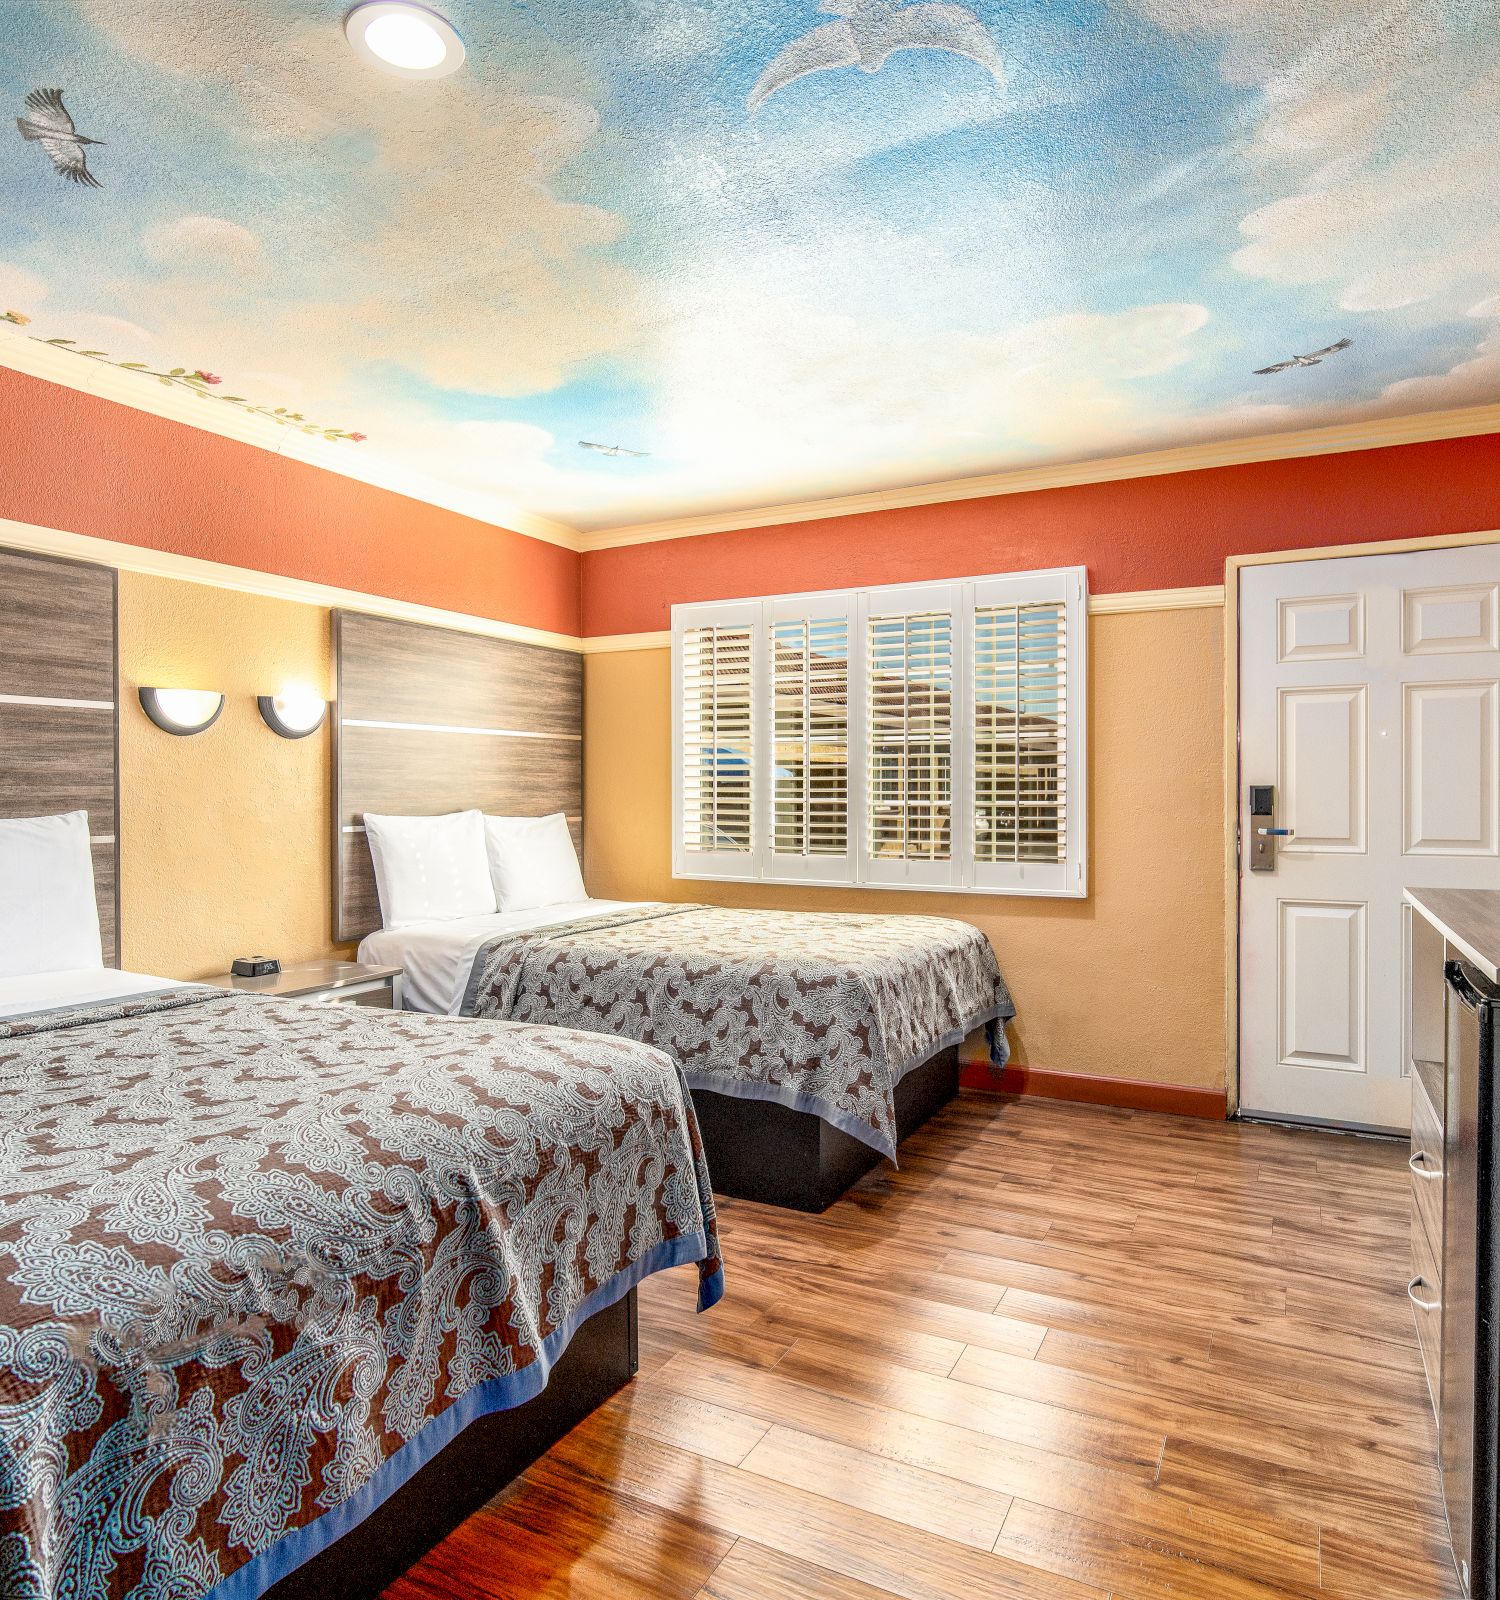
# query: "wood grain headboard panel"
[[59, 707], [430, 720]]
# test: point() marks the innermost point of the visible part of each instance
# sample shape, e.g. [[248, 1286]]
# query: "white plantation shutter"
[[809, 835], [1026, 693], [716, 695], [918, 736], [909, 729]]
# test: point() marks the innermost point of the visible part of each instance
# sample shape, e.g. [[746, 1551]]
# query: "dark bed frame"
[[758, 1150], [602, 1357]]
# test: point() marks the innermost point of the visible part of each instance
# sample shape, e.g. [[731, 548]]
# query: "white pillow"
[[533, 862], [430, 869], [49, 919]]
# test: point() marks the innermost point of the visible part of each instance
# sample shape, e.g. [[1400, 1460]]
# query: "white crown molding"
[[219, 575], [1209, 596], [38, 359], [1336, 440]]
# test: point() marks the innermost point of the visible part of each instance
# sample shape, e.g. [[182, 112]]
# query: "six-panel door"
[[1370, 697]]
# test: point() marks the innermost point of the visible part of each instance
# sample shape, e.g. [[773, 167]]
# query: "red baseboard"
[[1177, 1099]]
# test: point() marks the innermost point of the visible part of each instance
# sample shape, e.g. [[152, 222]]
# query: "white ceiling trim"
[[219, 575], [38, 359], [1337, 440]]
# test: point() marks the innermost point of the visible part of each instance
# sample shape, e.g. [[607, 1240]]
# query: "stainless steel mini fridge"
[[1471, 1237]]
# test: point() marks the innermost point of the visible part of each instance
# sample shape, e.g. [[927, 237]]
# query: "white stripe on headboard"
[[445, 727], [61, 705]]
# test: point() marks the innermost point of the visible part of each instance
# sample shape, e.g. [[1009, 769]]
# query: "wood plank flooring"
[[1065, 1353]]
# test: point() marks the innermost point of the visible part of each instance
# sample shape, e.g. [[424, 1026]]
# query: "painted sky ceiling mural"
[[763, 251]]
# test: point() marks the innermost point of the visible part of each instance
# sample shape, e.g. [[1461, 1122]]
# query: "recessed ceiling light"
[[403, 38]]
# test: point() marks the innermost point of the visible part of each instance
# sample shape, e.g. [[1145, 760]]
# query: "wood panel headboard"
[[429, 720], [60, 707]]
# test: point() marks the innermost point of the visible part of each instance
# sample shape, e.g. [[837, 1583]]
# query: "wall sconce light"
[[294, 713], [182, 711]]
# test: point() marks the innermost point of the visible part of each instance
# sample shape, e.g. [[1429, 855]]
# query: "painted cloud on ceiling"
[[768, 252]]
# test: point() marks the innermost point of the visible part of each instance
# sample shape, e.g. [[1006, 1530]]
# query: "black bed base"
[[758, 1150], [602, 1357]]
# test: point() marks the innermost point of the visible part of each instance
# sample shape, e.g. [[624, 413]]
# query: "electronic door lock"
[[1263, 830]]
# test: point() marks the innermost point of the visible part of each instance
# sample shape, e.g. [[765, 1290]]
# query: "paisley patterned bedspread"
[[260, 1260], [823, 1012]]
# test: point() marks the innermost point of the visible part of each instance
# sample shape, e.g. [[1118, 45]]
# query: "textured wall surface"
[[86, 465], [224, 835], [1142, 533], [1126, 984]]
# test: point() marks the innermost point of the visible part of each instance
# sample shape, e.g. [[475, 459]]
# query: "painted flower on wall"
[[198, 381]]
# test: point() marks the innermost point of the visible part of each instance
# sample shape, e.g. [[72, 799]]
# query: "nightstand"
[[323, 983]]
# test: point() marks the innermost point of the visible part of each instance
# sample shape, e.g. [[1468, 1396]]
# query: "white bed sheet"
[[436, 958], [74, 986]]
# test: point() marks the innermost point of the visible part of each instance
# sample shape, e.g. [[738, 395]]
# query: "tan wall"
[[1126, 984], [224, 835]]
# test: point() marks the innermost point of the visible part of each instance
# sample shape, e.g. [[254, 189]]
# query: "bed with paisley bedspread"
[[834, 1034], [261, 1261]]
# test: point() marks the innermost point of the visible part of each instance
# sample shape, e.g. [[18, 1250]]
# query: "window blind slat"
[[910, 735], [718, 740], [810, 719], [1020, 733]]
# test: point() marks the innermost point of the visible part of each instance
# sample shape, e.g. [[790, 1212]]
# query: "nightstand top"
[[306, 977]]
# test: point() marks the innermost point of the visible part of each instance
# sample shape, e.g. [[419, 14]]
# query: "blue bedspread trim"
[[498, 1394]]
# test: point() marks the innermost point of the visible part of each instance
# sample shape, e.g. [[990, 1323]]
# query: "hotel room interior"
[[749, 799]]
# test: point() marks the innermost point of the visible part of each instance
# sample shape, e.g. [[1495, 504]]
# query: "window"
[[925, 736], [717, 741]]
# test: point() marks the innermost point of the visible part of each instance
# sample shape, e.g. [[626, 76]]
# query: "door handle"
[[1264, 834]]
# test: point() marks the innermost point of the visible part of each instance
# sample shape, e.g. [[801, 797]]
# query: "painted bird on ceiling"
[[1311, 360], [612, 449], [870, 31], [50, 126]]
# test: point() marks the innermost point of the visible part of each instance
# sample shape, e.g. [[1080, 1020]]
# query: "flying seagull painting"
[[868, 32], [50, 126], [612, 449], [1311, 360]]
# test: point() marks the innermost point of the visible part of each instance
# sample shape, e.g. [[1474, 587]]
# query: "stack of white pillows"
[[437, 869]]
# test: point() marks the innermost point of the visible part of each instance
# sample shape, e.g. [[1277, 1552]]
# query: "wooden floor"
[[1064, 1352]]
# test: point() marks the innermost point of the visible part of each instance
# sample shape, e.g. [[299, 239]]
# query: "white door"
[[1369, 698]]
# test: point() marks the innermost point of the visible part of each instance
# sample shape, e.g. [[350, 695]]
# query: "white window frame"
[[1064, 879]]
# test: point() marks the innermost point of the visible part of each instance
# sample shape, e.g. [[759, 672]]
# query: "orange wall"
[[1126, 984], [1172, 531], [72, 461]]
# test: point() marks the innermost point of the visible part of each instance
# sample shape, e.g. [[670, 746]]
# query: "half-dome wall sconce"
[[294, 713], [182, 711]]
